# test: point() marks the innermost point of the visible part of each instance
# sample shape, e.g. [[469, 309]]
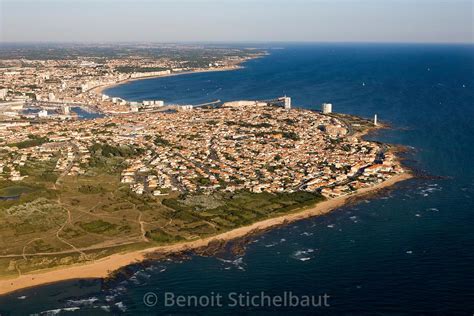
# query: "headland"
[[176, 186], [148, 178]]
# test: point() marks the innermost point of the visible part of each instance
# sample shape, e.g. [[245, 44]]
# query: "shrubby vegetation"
[[102, 227], [90, 189], [32, 141], [160, 141], [242, 208], [161, 237], [111, 158], [106, 150]]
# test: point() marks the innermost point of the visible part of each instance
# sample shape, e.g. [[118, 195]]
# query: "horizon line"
[[240, 42]]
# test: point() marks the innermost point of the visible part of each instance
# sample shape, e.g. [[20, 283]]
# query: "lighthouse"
[[375, 120], [287, 102]]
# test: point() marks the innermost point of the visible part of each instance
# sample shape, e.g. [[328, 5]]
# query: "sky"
[[237, 21]]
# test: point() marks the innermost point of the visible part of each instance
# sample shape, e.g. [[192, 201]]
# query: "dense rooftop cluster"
[[205, 150]]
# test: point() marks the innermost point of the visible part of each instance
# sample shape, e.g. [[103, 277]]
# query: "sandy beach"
[[103, 267]]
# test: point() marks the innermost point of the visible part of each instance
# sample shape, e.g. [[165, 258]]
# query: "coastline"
[[104, 267], [100, 89]]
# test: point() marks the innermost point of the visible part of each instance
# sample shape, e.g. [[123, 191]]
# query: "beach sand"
[[103, 267]]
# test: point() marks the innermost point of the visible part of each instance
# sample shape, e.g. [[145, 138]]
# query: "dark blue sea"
[[407, 251]]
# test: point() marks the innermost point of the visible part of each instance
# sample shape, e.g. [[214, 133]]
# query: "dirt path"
[[103, 267], [68, 221], [142, 227], [27, 244]]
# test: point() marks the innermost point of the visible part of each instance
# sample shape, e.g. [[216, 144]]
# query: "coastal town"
[[75, 188], [251, 147], [206, 157], [254, 146]]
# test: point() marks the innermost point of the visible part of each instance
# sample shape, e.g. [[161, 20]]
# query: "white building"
[[66, 110], [3, 93], [184, 108], [150, 74], [10, 113], [287, 102], [12, 105], [43, 113], [243, 103], [326, 108]]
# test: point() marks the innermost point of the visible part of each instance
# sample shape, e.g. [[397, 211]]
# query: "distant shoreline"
[[102, 268]]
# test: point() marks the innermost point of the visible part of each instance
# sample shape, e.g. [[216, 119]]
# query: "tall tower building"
[[287, 101], [326, 108], [375, 120], [66, 110]]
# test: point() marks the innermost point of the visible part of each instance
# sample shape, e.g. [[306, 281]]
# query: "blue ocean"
[[407, 251]]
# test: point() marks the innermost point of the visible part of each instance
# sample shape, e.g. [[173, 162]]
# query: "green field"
[[85, 217], [14, 190]]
